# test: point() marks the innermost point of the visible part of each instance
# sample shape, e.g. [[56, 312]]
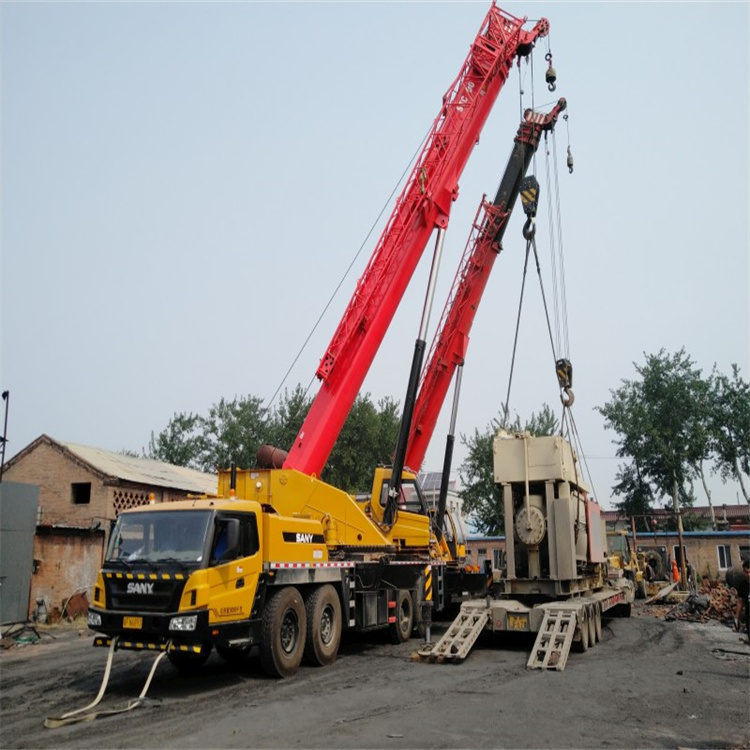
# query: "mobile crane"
[[295, 561]]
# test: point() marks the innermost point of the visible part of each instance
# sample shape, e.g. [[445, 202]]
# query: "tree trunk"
[[738, 473], [683, 567], [708, 495]]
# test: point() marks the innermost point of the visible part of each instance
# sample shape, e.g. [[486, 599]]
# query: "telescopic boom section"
[[424, 204], [452, 336]]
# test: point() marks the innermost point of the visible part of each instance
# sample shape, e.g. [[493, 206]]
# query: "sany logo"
[[304, 538], [140, 588]]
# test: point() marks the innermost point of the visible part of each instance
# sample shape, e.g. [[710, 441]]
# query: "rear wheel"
[[592, 626], [323, 610], [189, 662], [283, 633], [582, 644], [400, 630], [598, 624]]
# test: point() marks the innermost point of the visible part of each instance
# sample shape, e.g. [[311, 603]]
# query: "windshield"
[[160, 535], [618, 544]]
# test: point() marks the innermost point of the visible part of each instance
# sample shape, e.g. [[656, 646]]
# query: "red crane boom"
[[424, 204]]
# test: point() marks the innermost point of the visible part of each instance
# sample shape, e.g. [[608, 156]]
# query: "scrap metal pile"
[[714, 601]]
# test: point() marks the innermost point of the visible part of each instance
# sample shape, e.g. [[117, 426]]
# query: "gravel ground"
[[648, 684]]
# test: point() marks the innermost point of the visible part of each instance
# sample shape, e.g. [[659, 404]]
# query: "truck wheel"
[[400, 631], [283, 632], [640, 589], [189, 662], [582, 645], [323, 626], [592, 626], [598, 624]]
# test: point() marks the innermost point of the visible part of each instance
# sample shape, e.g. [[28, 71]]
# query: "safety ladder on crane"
[[552, 645], [460, 636]]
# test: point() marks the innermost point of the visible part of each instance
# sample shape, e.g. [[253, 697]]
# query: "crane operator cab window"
[[410, 498], [235, 536]]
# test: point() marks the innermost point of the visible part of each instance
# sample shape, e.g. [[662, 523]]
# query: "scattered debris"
[[714, 601]]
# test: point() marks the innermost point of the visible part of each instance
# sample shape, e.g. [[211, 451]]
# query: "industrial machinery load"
[[555, 582]]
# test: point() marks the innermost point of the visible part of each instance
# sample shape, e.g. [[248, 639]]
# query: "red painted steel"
[[424, 204]]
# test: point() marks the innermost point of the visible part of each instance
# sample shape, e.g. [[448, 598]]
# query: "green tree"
[[182, 442], [482, 499], [232, 431], [284, 422], [660, 419], [729, 426], [368, 438], [636, 493]]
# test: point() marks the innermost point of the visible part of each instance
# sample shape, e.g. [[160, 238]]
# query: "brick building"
[[81, 490]]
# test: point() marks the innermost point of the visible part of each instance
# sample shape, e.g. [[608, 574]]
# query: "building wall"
[[55, 473], [70, 536], [479, 549], [703, 549], [67, 561]]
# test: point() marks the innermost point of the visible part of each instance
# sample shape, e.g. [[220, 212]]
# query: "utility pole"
[[683, 567]]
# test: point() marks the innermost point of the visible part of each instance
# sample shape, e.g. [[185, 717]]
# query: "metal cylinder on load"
[[271, 457]]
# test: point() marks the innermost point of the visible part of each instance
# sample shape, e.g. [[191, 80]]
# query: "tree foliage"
[[482, 499], [233, 431], [730, 426], [670, 421]]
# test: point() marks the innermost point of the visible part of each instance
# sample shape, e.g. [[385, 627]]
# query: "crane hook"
[[570, 161], [551, 75], [567, 397], [529, 229]]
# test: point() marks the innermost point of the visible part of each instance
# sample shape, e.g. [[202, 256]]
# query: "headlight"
[[94, 619], [188, 622]]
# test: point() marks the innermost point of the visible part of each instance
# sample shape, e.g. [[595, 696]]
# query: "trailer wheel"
[[592, 625], [598, 623], [582, 645], [400, 631], [189, 662], [283, 632], [323, 626]]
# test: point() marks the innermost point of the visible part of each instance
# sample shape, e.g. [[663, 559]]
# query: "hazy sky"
[[184, 185]]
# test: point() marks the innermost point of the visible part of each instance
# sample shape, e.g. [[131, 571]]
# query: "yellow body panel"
[[344, 521]]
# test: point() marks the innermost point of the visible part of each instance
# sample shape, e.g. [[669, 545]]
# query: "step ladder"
[[552, 645], [457, 641]]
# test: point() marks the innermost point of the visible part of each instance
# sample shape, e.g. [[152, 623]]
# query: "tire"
[[190, 662], [582, 645], [400, 631], [283, 633], [598, 624], [323, 610], [592, 626]]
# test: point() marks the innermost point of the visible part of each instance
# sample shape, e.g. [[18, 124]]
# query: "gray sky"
[[184, 185]]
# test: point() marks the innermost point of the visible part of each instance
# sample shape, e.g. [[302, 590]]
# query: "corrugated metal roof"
[[145, 470]]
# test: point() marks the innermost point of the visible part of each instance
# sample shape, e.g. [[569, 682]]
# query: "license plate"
[[134, 623], [518, 622]]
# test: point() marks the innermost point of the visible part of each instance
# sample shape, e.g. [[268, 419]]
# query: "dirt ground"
[[648, 684]]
